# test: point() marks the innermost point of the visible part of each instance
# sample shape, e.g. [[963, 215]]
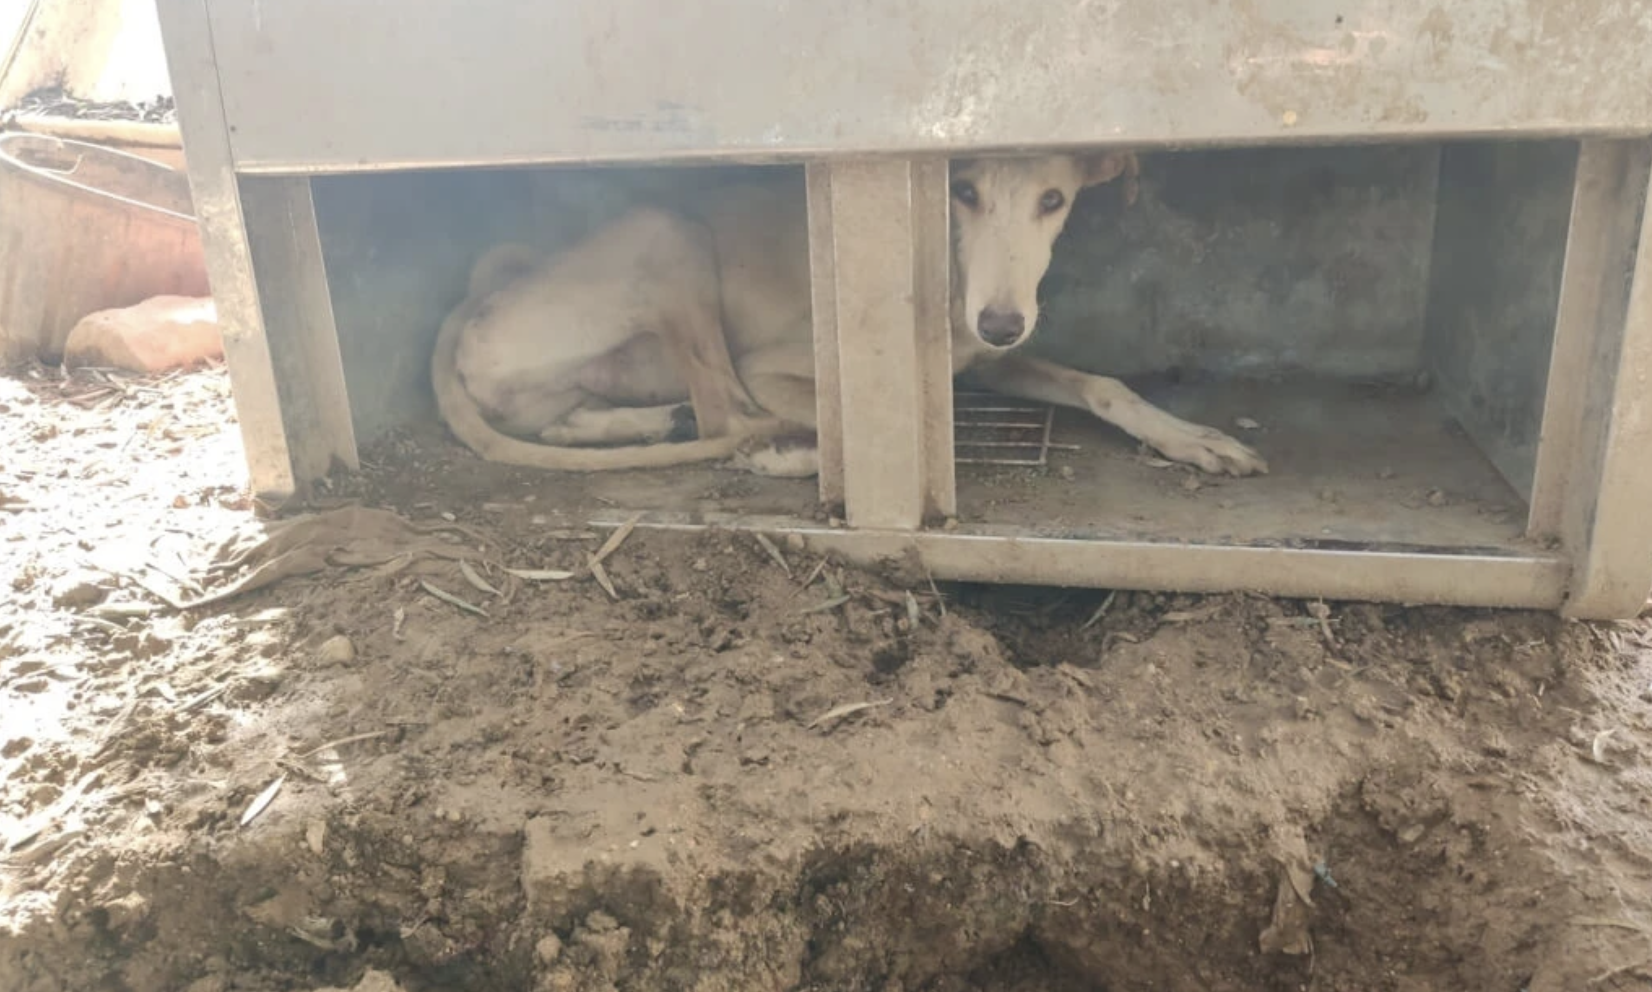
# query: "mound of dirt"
[[716, 763]]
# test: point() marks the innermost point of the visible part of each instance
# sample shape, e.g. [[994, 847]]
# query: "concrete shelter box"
[[1401, 249]]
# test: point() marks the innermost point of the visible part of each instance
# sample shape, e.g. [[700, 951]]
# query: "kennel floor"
[[1350, 465]]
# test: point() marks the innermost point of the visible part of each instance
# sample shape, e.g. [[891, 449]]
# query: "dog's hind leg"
[[592, 424], [782, 379], [681, 302]]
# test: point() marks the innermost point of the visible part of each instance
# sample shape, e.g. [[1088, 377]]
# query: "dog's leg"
[[591, 424], [1114, 402], [689, 321], [782, 379]]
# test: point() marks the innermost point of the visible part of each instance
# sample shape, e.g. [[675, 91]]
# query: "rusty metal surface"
[[359, 84], [85, 228]]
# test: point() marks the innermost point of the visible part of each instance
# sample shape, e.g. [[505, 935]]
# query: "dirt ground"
[[747, 768]]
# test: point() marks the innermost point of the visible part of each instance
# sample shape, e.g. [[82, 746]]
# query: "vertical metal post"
[[823, 315], [288, 392], [1594, 297], [932, 285], [888, 312], [1592, 468], [297, 313]]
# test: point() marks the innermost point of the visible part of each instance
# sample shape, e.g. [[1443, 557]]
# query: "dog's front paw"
[[786, 456], [1211, 450]]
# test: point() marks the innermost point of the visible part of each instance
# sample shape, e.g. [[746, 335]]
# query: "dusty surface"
[[664, 789]]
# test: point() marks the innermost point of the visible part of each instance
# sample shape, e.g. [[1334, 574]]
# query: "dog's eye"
[[964, 192], [1051, 201]]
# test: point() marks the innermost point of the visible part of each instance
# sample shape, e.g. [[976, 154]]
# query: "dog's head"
[[1006, 214]]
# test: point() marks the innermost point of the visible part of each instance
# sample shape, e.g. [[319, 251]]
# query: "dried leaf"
[[452, 600], [774, 552], [601, 575], [830, 604], [839, 712], [263, 801], [353, 738], [1101, 610], [476, 581], [615, 539], [1597, 749], [540, 574]]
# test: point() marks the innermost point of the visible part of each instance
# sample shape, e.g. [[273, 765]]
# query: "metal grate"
[[989, 429]]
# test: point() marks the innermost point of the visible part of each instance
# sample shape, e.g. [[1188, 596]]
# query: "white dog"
[[602, 344]]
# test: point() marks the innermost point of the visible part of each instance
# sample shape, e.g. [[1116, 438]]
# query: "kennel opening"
[[1377, 321]]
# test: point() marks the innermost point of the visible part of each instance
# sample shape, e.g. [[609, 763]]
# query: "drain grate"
[[988, 429]]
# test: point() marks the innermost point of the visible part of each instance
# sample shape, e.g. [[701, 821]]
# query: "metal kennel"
[[1499, 121]]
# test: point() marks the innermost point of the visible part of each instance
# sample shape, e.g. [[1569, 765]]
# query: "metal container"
[[85, 228], [1524, 183]]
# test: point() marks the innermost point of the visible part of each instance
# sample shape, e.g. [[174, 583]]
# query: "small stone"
[[1247, 424], [834, 522], [77, 591], [951, 524], [1191, 483], [126, 912], [315, 835], [336, 650], [374, 980], [1436, 498], [794, 542], [163, 332], [1067, 472], [548, 949]]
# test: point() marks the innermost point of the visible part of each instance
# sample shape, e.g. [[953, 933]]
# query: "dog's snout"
[[1001, 328]]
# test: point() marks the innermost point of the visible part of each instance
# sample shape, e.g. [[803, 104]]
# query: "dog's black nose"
[[1001, 328]]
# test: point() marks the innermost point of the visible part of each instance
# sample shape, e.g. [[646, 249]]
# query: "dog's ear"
[[1108, 166]]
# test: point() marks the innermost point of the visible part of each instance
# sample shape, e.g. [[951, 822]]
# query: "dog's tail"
[[493, 272]]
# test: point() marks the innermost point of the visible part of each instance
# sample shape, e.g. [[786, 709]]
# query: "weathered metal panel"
[[1499, 245], [1607, 528], [350, 84], [1249, 261]]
